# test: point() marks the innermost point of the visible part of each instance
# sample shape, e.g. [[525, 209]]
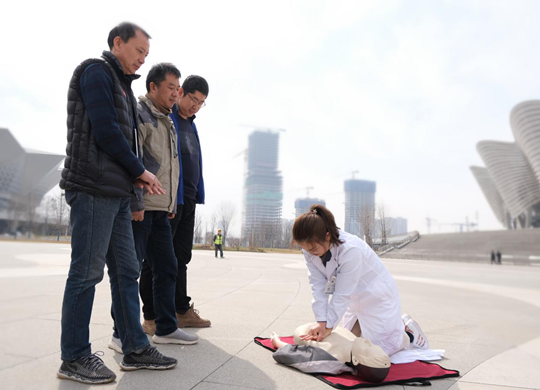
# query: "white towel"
[[413, 354]]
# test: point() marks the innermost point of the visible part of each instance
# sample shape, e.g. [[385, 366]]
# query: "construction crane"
[[467, 225], [307, 191], [353, 173], [429, 221]]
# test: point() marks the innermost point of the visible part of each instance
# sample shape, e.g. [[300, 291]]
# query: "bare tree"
[[366, 220], [197, 228], [384, 224], [286, 237], [224, 215], [211, 223], [235, 242]]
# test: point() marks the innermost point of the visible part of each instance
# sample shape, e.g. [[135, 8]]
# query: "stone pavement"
[[487, 318]]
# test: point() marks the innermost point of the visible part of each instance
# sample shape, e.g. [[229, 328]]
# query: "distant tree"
[[366, 218], [197, 228], [235, 242], [384, 224]]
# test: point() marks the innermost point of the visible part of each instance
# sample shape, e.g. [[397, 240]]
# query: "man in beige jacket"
[[150, 215]]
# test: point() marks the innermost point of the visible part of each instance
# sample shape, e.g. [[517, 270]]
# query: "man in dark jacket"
[[101, 168], [191, 99]]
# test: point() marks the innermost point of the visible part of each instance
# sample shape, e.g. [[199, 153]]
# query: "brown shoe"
[[191, 319], [149, 327]]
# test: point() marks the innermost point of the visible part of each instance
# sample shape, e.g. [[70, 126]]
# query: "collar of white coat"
[[331, 265]]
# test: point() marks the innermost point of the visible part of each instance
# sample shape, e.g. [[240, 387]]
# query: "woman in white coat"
[[362, 292]]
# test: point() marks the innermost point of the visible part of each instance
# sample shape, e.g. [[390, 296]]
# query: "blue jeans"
[[154, 244], [101, 234]]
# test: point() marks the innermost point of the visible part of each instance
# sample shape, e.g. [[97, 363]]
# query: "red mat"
[[417, 373]]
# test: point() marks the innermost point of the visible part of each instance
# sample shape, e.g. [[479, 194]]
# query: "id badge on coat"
[[330, 286]]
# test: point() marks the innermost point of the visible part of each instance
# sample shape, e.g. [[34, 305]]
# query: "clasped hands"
[[317, 332]]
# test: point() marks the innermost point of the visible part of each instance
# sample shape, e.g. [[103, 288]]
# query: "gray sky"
[[399, 90]]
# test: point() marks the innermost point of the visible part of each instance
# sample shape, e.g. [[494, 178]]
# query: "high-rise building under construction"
[[263, 192], [302, 205], [359, 205]]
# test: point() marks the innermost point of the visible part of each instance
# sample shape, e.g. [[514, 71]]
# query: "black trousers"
[[182, 226], [220, 248]]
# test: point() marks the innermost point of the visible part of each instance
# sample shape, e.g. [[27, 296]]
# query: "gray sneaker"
[[149, 358], [116, 345], [87, 369], [176, 337]]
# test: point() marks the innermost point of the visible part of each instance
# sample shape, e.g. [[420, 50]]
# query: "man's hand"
[[137, 215], [150, 182], [317, 332], [172, 215]]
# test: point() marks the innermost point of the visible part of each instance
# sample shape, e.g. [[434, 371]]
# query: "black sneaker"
[[87, 369], [149, 358]]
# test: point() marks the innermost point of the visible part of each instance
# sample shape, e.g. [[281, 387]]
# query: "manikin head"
[[370, 360]]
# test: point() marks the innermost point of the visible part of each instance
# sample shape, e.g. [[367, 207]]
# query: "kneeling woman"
[[363, 293]]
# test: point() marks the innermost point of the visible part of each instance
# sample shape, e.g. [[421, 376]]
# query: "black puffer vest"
[[87, 167]]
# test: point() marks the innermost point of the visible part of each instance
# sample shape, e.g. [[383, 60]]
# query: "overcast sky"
[[399, 90]]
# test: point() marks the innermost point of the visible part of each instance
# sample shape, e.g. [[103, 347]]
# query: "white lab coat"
[[364, 291]]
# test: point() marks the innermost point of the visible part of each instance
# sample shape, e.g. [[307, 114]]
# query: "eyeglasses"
[[196, 101]]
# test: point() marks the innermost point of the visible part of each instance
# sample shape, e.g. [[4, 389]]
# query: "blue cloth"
[[96, 88], [200, 187], [154, 244], [101, 234]]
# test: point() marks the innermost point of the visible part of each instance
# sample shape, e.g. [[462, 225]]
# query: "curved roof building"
[[525, 123], [513, 177], [25, 175], [485, 181]]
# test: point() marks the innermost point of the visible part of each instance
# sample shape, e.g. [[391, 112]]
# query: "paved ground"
[[486, 317]]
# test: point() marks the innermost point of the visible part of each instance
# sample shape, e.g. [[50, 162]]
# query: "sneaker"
[[87, 369], [149, 327], [149, 358], [176, 337], [116, 345], [191, 319], [419, 338]]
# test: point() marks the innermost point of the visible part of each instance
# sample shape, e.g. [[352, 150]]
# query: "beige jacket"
[[158, 142]]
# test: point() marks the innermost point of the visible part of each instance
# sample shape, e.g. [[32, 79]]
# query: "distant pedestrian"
[[493, 257], [218, 243], [499, 257]]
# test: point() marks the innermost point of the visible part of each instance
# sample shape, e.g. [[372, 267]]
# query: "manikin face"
[[132, 53], [190, 103], [315, 248], [167, 92]]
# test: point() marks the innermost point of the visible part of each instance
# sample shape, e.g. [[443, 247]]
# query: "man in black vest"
[[101, 168]]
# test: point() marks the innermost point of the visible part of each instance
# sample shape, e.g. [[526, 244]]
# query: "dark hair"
[[195, 83], [313, 226], [126, 31], [159, 72]]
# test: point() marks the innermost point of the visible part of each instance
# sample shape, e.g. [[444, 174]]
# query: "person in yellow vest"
[[218, 243]]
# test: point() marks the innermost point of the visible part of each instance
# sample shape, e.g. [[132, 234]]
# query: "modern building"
[[302, 205], [511, 177], [394, 226], [359, 205], [399, 226], [25, 177], [263, 190], [488, 187]]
